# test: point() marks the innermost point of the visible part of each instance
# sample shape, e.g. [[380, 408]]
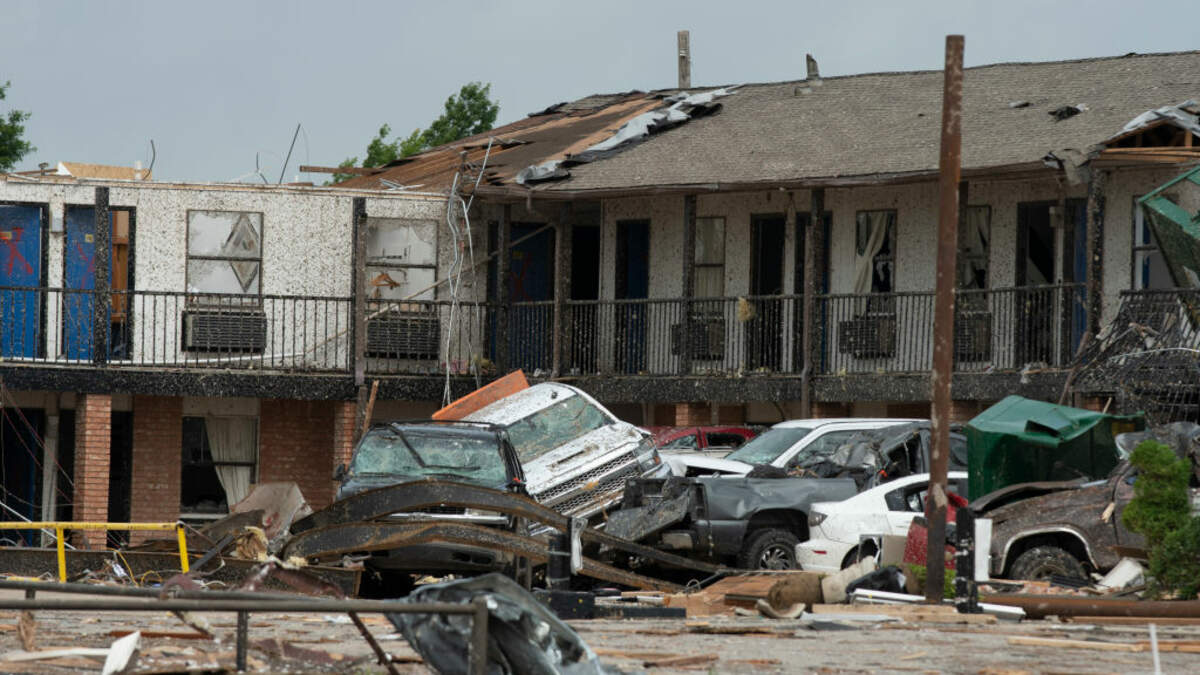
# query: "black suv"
[[470, 452]]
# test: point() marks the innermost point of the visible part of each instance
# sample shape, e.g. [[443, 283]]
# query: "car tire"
[[769, 549], [1041, 562], [858, 553]]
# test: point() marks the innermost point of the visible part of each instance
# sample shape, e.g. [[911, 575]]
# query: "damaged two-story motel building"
[[659, 250]]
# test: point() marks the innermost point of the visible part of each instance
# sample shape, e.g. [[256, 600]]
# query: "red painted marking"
[[14, 254]]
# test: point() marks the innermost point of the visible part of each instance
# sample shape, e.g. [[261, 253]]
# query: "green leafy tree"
[[1161, 511], [471, 111], [12, 127]]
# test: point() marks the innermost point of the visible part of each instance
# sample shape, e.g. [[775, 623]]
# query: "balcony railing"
[[999, 329]]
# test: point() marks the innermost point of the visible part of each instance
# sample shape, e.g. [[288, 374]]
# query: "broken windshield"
[[420, 453], [765, 448], [554, 427]]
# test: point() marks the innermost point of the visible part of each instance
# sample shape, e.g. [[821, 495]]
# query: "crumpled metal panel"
[[524, 636], [1176, 230]]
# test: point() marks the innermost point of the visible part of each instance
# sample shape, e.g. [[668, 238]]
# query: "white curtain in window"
[[232, 439], [865, 257]]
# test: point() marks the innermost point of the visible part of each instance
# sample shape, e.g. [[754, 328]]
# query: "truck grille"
[[618, 469]]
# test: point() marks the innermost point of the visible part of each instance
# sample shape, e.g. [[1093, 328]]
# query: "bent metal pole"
[[943, 316]]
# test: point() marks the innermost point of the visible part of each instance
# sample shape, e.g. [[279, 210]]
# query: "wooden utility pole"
[[950, 168]]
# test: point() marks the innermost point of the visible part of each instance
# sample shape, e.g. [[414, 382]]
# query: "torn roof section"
[[858, 129]]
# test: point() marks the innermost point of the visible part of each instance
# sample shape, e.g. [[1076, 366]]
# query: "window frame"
[[185, 463], [370, 263], [698, 265], [224, 299], [1138, 221], [887, 303]]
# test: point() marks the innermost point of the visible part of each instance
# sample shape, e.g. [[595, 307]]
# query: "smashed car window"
[[683, 443], [555, 426], [413, 453], [765, 448]]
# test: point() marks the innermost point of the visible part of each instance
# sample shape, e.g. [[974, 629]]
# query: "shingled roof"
[[872, 127]]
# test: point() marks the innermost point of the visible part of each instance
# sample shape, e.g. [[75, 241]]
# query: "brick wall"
[[963, 411], [344, 420], [157, 460], [296, 443], [915, 410], [692, 414], [93, 439]]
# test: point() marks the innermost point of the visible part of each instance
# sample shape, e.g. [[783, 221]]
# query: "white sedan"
[[836, 528]]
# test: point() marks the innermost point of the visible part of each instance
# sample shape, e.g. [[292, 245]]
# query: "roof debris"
[[683, 107], [1066, 111]]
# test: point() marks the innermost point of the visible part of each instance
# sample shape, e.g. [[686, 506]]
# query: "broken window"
[[219, 463], [974, 234], [875, 257], [1149, 268], [555, 426], [224, 252], [401, 258], [414, 453], [710, 257]]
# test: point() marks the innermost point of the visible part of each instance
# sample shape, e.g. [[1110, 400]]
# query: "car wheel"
[[858, 553], [1041, 562], [769, 549]]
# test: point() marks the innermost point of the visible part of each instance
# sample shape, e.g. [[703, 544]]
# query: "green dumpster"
[[1020, 440]]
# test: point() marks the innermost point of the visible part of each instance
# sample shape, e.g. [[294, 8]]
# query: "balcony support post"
[[358, 290], [950, 170], [1095, 250], [562, 284], [689, 284], [503, 297], [101, 319], [814, 243]]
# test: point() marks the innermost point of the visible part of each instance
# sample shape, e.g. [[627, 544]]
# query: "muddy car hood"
[[1060, 505]]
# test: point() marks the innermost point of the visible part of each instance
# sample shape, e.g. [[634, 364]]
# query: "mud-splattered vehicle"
[[1070, 528], [576, 455]]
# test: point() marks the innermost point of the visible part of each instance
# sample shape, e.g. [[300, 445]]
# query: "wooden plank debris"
[[680, 661]]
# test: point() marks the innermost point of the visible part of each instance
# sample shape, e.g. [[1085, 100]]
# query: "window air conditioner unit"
[[869, 336], [973, 336], [404, 334], [224, 330], [708, 338]]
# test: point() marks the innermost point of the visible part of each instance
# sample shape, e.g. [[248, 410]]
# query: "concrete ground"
[[320, 643]]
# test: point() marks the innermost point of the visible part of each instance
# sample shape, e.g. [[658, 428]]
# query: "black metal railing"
[[997, 329]]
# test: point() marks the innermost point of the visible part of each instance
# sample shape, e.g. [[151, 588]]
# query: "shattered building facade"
[[658, 250]]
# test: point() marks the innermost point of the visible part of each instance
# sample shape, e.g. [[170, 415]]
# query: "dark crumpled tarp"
[[1182, 437], [524, 636]]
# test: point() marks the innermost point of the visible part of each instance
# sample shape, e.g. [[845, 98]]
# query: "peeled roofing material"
[[683, 108], [1179, 115]]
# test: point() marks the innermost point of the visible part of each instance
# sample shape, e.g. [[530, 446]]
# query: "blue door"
[[20, 266], [79, 278], [1079, 263]]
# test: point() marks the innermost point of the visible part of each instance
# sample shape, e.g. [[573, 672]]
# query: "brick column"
[[1095, 403], [692, 414], [909, 410], [827, 409], [344, 420], [296, 444], [93, 438], [157, 462]]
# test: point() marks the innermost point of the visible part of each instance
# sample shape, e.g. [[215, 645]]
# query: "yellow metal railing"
[[58, 526]]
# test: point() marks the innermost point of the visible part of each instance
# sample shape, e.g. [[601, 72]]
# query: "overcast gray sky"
[[213, 82]]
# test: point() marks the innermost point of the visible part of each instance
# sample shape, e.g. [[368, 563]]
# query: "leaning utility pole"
[[943, 316]]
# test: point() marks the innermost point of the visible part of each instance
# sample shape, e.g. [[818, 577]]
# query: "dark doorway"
[[1075, 270], [632, 283], [585, 285], [21, 432], [764, 330], [531, 290], [1034, 301], [120, 470], [803, 220]]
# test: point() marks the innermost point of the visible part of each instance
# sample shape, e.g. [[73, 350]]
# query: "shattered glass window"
[[401, 258], [555, 426], [689, 442], [823, 446], [413, 453], [224, 252], [766, 448]]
